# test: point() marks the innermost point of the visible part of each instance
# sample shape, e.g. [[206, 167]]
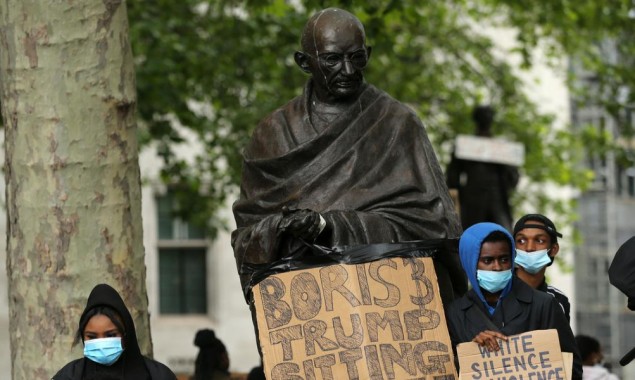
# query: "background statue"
[[342, 164], [483, 187]]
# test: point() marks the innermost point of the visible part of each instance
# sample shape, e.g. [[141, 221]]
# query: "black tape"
[[319, 256]]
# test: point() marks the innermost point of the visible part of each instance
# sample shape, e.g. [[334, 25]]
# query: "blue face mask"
[[532, 262], [493, 281], [104, 351]]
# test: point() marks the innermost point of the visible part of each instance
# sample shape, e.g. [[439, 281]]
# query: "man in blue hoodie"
[[499, 304]]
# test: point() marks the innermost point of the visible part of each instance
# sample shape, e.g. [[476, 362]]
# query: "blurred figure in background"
[[212, 362], [483, 187], [592, 359], [257, 373]]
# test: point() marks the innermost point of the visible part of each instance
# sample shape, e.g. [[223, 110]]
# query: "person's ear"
[[555, 248], [302, 60]]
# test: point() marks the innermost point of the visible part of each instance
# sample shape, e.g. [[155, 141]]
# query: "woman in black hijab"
[[111, 350]]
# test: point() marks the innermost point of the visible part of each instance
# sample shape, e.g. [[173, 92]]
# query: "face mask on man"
[[104, 351], [532, 262], [493, 281]]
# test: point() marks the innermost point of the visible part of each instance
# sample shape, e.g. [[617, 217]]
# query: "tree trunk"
[[73, 184]]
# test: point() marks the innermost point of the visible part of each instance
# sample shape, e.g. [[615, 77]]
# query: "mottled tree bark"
[[73, 184]]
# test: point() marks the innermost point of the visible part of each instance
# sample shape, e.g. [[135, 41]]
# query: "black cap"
[[547, 225]]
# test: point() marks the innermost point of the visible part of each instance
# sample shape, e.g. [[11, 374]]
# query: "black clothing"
[[562, 299], [75, 369], [622, 276], [257, 373], [132, 365], [523, 309], [622, 271]]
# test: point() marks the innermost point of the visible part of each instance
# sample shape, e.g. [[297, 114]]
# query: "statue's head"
[[334, 52], [483, 116]]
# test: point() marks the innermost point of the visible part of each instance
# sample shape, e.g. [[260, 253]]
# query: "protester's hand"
[[488, 339], [304, 224]]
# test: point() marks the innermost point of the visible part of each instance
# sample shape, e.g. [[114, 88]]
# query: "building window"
[[182, 262], [182, 274]]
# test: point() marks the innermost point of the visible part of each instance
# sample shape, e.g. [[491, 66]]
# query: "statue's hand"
[[304, 224]]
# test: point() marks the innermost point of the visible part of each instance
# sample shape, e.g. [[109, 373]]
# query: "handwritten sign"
[[485, 149], [378, 320], [530, 356]]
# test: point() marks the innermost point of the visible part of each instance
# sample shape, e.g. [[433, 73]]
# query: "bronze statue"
[[342, 164], [483, 187]]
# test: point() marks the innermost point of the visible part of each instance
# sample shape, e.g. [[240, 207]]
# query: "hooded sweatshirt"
[[131, 365], [470, 250]]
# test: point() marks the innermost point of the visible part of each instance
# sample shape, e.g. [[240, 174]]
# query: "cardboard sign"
[[494, 150], [530, 356], [378, 320]]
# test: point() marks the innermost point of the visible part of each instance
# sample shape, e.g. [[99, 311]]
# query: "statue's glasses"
[[358, 59]]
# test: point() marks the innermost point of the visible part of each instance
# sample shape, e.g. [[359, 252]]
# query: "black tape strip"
[[319, 256]]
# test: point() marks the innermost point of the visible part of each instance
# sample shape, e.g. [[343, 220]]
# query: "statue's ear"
[[302, 60], [368, 50]]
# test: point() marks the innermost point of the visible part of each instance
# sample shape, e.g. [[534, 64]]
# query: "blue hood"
[[470, 249]]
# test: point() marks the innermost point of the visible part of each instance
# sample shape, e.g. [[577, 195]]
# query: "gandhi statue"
[[342, 164]]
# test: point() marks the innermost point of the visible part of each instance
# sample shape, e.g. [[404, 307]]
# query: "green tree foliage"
[[218, 67], [598, 37]]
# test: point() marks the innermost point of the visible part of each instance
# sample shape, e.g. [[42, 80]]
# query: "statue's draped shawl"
[[372, 174]]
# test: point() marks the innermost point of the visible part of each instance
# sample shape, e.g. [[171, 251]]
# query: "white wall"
[[229, 314]]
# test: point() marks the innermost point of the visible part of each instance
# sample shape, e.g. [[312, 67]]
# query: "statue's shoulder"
[[374, 94], [277, 124], [292, 109]]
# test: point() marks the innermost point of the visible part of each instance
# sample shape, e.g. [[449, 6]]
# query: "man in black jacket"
[[537, 245]]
